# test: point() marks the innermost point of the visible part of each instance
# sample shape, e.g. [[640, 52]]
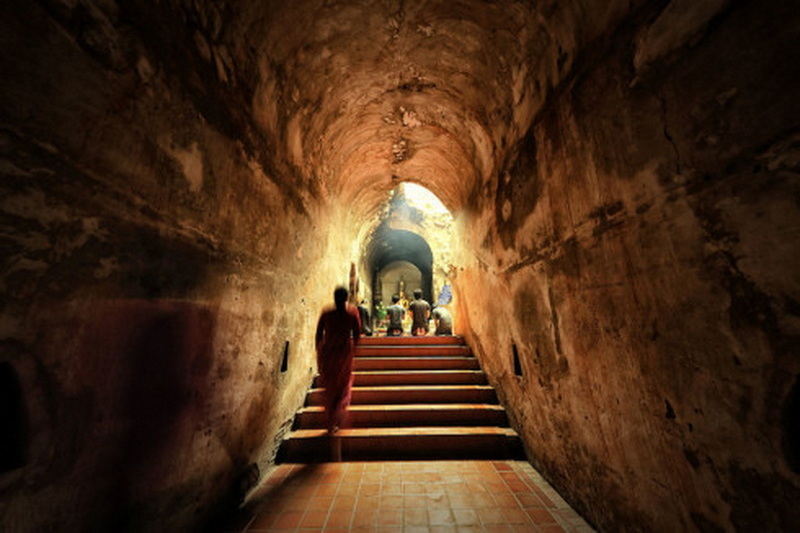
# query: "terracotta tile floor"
[[424, 496]]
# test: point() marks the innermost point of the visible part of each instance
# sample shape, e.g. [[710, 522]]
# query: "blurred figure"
[[337, 335], [380, 314], [443, 321], [395, 313], [420, 314], [363, 314], [407, 317]]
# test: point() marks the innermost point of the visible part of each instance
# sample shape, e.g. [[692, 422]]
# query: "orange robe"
[[337, 335]]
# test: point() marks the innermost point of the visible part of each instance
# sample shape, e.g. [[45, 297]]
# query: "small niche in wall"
[[13, 422], [517, 364], [285, 360], [791, 427]]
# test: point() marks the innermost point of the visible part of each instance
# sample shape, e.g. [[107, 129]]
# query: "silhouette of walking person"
[[337, 335]]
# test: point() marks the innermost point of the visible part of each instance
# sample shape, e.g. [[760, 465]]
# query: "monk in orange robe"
[[337, 335]]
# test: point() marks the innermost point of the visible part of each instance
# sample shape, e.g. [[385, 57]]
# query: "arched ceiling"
[[365, 94]]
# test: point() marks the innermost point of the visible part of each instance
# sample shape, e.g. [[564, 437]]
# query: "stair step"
[[361, 416], [414, 398], [416, 363], [412, 351], [415, 394], [431, 339], [416, 377], [413, 443]]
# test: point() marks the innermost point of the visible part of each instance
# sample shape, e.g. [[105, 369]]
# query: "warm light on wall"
[[420, 197]]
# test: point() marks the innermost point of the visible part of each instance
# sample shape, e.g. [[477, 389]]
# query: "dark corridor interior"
[[183, 183], [389, 246]]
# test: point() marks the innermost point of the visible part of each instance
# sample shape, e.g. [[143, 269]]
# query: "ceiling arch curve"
[[363, 95], [391, 245]]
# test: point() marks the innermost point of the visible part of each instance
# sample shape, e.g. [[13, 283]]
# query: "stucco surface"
[[183, 183]]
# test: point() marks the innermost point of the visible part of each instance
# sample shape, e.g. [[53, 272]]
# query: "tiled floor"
[[424, 496]]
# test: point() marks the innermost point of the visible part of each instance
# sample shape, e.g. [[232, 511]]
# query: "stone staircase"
[[413, 398]]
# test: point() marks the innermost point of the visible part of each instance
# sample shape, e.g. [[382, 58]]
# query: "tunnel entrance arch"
[[416, 229], [394, 254]]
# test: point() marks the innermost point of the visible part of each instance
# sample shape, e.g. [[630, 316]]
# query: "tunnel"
[[185, 182], [399, 246], [411, 246]]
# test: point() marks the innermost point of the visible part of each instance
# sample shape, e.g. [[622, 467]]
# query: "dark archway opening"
[[390, 246]]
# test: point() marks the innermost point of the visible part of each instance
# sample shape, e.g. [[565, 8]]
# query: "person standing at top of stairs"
[[421, 314], [338, 333]]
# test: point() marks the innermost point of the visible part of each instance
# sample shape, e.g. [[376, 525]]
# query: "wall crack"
[[668, 136]]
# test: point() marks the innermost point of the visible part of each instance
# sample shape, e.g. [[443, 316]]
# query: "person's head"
[[395, 298], [340, 297], [417, 294]]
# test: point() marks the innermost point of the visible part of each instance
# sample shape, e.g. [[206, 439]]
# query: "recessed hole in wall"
[[517, 365], [670, 414], [13, 423], [285, 361], [791, 427]]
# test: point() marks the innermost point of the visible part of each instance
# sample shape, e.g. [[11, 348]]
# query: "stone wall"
[[641, 251], [155, 274], [182, 183]]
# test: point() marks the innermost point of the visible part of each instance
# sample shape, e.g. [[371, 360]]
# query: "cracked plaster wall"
[[155, 255], [641, 251], [181, 181]]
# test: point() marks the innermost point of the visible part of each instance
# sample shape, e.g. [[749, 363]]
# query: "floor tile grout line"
[[421, 473]]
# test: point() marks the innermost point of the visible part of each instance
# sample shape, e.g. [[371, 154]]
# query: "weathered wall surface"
[[155, 256], [641, 250], [181, 184]]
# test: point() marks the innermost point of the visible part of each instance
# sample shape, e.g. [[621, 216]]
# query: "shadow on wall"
[[149, 362], [791, 427], [170, 347], [13, 421]]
